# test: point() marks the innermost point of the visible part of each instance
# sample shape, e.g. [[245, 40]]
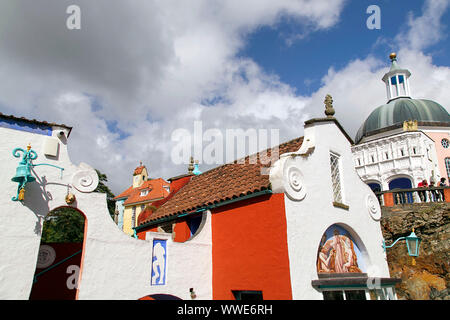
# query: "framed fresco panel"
[[339, 253]]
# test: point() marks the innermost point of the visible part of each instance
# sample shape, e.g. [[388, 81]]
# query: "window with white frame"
[[336, 178]]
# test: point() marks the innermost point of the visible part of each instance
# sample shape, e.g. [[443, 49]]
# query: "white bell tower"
[[397, 81]]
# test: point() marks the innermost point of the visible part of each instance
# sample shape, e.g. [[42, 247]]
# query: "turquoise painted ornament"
[[23, 170], [196, 169]]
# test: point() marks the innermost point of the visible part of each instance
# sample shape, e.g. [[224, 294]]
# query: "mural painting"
[[338, 252]]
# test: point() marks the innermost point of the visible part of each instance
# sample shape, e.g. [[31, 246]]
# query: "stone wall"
[[429, 278]]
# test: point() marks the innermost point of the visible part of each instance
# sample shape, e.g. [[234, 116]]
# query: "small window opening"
[[247, 295]]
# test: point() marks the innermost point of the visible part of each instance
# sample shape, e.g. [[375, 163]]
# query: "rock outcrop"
[[428, 278]]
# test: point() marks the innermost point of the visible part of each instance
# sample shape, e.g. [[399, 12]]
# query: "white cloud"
[[426, 29]]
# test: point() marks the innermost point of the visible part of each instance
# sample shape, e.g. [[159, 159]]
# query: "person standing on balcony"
[[441, 191], [423, 194], [434, 194]]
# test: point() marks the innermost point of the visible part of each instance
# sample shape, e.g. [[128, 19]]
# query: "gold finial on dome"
[[393, 56]]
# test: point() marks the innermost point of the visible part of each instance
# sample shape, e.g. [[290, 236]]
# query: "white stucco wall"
[[114, 265], [306, 180], [117, 266]]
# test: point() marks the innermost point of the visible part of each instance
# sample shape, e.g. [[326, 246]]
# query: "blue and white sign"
[[159, 261]]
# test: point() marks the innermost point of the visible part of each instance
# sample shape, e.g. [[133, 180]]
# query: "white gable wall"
[[308, 219], [114, 265]]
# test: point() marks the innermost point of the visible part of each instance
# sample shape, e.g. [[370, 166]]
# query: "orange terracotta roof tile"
[[125, 193], [155, 188], [138, 170], [228, 181]]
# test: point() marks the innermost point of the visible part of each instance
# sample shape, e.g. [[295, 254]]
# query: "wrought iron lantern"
[[412, 245]]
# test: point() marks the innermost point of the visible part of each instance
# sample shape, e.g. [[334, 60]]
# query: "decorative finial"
[[191, 165], [28, 146], [393, 56], [196, 170], [140, 163], [329, 110]]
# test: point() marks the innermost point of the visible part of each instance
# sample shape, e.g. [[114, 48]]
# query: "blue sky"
[[303, 63]]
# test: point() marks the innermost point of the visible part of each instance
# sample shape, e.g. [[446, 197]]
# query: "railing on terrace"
[[390, 198]]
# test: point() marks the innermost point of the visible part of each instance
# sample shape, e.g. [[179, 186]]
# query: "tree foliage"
[[64, 224]]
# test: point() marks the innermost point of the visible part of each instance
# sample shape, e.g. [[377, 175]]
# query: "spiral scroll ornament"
[[85, 180], [373, 207], [293, 183]]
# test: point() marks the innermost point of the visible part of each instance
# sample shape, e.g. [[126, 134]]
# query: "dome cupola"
[[397, 80], [401, 107]]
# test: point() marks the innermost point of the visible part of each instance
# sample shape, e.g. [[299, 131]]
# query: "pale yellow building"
[[142, 192]]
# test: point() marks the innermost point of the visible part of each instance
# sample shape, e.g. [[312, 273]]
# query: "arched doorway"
[[402, 183], [376, 187], [60, 254]]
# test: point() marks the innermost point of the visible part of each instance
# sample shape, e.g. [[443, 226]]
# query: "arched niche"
[[375, 186], [341, 251], [402, 182]]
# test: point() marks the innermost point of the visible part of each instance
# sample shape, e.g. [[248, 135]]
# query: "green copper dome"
[[396, 111]]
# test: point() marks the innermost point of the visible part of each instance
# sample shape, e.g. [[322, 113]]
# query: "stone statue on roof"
[[329, 110]]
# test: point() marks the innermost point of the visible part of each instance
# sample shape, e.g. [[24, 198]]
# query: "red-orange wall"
[[249, 248], [182, 232]]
